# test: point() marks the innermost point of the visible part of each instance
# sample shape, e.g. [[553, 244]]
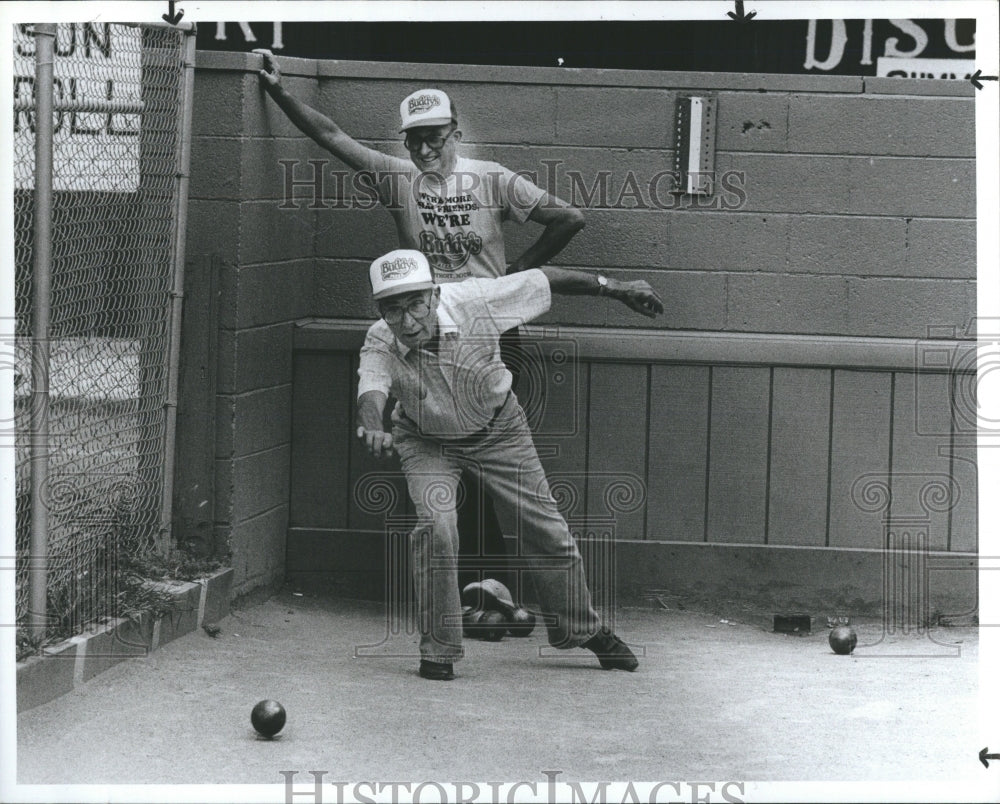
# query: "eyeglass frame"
[[425, 141], [404, 309]]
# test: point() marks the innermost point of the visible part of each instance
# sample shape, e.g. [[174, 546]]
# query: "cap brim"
[[428, 121], [395, 290]]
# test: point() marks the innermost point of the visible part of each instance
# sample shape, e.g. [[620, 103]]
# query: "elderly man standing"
[[451, 209], [436, 349]]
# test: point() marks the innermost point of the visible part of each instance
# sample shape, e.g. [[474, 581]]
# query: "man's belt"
[[472, 437]]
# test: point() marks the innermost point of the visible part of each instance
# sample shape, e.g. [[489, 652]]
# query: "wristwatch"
[[602, 284]]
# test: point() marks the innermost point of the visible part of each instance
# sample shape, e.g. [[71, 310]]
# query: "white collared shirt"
[[457, 391]]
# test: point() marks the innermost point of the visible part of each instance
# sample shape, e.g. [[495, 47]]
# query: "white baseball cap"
[[400, 271], [425, 107]]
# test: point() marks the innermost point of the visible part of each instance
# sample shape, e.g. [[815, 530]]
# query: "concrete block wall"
[[857, 222]]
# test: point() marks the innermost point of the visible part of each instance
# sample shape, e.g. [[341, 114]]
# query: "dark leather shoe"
[[436, 671], [612, 653]]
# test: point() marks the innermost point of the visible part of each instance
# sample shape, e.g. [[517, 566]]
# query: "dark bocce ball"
[[268, 718], [494, 626], [843, 639]]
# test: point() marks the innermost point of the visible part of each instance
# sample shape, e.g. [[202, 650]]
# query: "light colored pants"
[[507, 464]]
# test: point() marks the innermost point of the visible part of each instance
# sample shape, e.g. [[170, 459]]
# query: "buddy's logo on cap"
[[422, 103], [397, 268], [400, 271], [426, 107]]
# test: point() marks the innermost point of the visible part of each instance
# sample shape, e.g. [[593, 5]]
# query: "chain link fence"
[[117, 95]]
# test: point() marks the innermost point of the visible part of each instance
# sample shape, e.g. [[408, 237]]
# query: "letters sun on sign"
[[97, 88]]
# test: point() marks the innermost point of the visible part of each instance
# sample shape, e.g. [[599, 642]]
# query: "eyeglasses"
[[434, 142], [418, 310]]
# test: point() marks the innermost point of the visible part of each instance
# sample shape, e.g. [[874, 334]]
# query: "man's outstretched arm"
[[637, 294], [315, 125], [371, 406]]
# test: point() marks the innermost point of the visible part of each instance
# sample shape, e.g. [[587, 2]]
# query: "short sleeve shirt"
[[456, 223], [457, 391]]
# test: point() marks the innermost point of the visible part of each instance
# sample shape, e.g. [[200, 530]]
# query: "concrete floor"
[[711, 700]]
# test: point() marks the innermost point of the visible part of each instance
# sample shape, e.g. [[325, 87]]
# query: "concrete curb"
[[80, 658]]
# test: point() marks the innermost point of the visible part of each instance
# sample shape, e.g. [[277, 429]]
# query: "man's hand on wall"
[[271, 74]]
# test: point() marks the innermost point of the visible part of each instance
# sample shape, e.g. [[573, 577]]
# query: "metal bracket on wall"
[[694, 146]]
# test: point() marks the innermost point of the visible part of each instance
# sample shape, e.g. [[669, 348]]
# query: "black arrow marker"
[[978, 76], [173, 18], [983, 756], [739, 16]]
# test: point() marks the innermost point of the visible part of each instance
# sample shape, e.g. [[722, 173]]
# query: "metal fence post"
[[45, 37], [177, 292]]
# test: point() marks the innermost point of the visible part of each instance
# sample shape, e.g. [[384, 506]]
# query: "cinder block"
[[41, 679], [269, 233], [369, 108], [435, 74], [355, 233], [846, 245], [262, 419], [254, 358], [855, 185], [691, 300], [262, 117], [941, 248], [183, 619], [260, 482], [307, 175], [872, 125], [218, 104], [913, 187], [789, 183], [212, 229], [726, 241], [268, 293], [905, 308], [593, 178], [134, 637], [263, 539], [216, 169], [786, 303], [942, 87], [239, 61], [594, 116], [216, 595], [228, 290], [751, 122], [222, 538], [613, 238], [224, 492], [342, 289], [225, 425], [493, 113], [576, 310], [104, 651]]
